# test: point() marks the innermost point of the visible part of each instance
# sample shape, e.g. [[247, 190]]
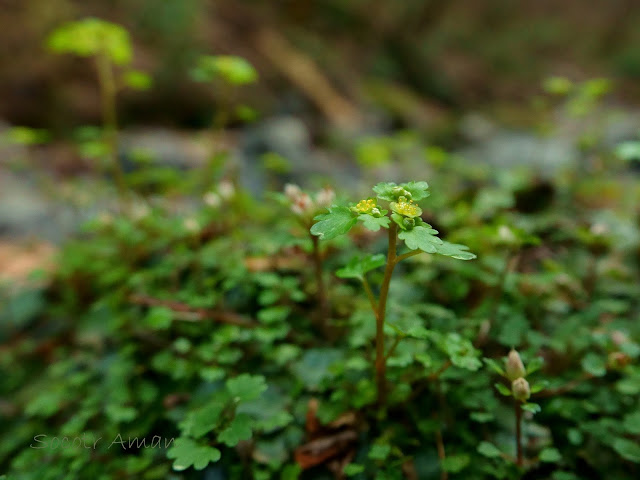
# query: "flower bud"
[[324, 197], [515, 367], [409, 223], [212, 199], [226, 189], [401, 192], [520, 389], [292, 191], [302, 205]]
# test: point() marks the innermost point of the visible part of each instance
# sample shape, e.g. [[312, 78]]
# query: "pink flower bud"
[[515, 367], [520, 389]]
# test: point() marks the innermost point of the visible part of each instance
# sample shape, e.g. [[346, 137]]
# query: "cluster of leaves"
[[155, 325]]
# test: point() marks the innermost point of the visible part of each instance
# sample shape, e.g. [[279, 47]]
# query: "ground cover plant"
[[195, 330]]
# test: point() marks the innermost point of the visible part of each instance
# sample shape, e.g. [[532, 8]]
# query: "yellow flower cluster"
[[407, 208], [366, 206]]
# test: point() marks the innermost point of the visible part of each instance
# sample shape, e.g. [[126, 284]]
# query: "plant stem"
[[408, 255], [381, 364], [108, 92], [519, 458], [370, 296]]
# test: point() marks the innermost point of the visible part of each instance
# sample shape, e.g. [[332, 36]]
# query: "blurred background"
[[342, 87]]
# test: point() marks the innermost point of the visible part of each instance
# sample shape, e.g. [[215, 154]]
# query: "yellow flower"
[[366, 206], [406, 208]]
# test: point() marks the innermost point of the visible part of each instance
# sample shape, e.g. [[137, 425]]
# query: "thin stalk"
[[509, 264], [393, 347], [519, 457], [108, 91], [381, 364], [370, 296], [408, 255], [442, 456]]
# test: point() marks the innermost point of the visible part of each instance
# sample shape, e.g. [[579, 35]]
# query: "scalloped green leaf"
[[187, 452], [421, 238], [503, 389], [238, 430], [550, 455], [92, 37], [338, 221], [374, 223], [245, 387], [493, 365], [627, 449], [454, 250], [358, 267], [418, 190], [594, 364], [489, 450], [233, 69], [198, 423], [531, 407], [384, 191]]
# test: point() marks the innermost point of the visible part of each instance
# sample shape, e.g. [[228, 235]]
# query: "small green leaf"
[[25, 136], [531, 407], [455, 463], [238, 430], [353, 469], [482, 417], [337, 222], [534, 365], [384, 190], [550, 455], [632, 423], [246, 387], [627, 449], [159, 318], [628, 150], [489, 450], [275, 314], [538, 387], [594, 364], [92, 37], [358, 267], [199, 422], [557, 85], [418, 190], [137, 80], [503, 389], [454, 250], [493, 365], [379, 451], [421, 238], [560, 475], [188, 452], [234, 70], [373, 223], [461, 352]]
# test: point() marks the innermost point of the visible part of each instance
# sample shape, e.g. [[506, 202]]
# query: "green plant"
[[109, 45], [226, 73], [403, 222], [515, 372]]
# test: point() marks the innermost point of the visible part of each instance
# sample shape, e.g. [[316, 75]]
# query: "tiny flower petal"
[[212, 199], [226, 189]]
